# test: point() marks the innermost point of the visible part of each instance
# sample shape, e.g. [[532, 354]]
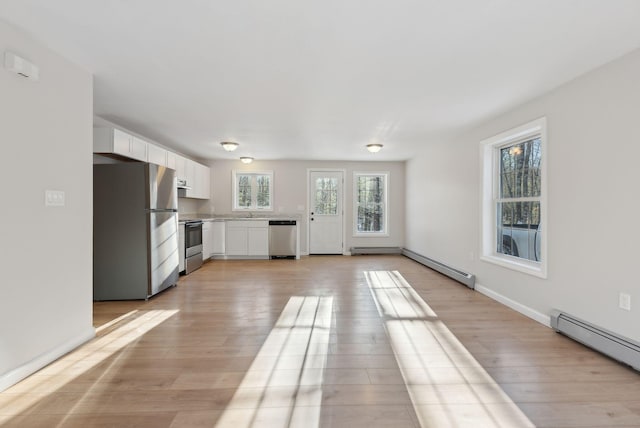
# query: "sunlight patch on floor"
[[115, 321], [283, 386], [56, 375], [456, 392]]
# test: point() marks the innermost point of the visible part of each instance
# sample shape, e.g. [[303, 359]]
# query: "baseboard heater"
[[617, 347], [462, 277], [375, 250]]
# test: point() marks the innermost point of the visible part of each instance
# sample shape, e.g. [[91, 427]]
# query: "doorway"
[[326, 211]]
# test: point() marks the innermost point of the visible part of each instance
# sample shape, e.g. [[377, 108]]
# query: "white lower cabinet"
[[236, 241], [258, 241], [217, 238], [207, 240], [181, 249], [247, 238]]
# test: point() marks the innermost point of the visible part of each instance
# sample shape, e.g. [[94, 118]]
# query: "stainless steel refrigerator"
[[135, 230]]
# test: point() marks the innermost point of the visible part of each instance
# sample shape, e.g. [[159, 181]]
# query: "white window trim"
[[385, 231], [234, 192], [488, 190]]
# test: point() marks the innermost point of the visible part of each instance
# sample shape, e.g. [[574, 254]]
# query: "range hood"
[[182, 184]]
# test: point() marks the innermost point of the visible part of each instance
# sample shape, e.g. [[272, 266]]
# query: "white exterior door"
[[326, 214]]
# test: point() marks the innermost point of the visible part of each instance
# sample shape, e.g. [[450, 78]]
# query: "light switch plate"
[[54, 198], [624, 301]]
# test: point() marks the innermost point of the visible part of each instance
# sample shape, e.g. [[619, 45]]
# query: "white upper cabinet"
[[171, 160], [120, 142], [198, 178], [138, 149], [181, 168], [190, 176], [115, 141], [157, 155], [111, 140], [204, 181], [201, 182]]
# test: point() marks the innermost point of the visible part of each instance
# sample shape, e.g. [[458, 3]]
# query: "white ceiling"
[[295, 79]]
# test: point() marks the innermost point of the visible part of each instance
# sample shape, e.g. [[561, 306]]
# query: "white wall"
[[46, 290], [193, 206], [290, 192], [593, 177]]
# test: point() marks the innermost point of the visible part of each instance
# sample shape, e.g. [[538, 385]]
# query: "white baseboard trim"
[[516, 306], [16, 375]]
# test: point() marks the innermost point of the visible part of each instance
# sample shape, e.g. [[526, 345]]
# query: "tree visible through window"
[[263, 184], [518, 204], [244, 191], [326, 200], [252, 190], [370, 203]]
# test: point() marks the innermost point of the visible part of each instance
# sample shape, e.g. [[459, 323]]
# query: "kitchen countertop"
[[224, 217]]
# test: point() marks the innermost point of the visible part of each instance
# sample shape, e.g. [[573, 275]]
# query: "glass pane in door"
[[326, 196]]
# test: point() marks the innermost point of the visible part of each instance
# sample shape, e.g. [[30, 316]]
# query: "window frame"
[[254, 194], [490, 197], [385, 212]]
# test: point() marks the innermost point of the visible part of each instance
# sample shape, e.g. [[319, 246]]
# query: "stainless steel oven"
[[193, 245]]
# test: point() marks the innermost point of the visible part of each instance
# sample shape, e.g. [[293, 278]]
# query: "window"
[[370, 203], [252, 190], [514, 199]]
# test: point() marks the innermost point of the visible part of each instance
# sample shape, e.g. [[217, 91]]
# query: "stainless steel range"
[[193, 245]]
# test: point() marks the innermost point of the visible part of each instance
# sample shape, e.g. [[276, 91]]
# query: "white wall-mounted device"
[[21, 66]]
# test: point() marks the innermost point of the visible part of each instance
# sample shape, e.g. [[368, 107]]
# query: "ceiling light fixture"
[[374, 147], [229, 146], [246, 159]]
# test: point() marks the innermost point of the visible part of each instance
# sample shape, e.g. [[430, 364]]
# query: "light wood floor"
[[230, 339]]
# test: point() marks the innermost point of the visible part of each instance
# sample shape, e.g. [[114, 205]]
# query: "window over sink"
[[252, 190]]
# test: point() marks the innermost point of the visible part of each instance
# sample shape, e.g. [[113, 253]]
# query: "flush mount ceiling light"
[[229, 146], [374, 147], [246, 159]]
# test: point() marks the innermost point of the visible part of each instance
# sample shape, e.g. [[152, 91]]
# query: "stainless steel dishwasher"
[[282, 239]]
